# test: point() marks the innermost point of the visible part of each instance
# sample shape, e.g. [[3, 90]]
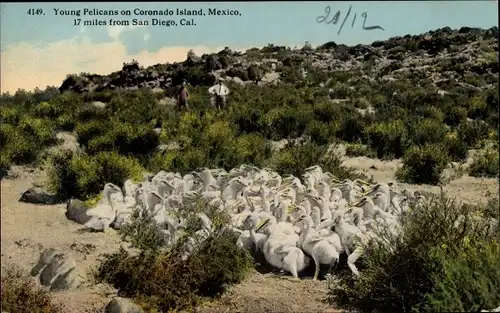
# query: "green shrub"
[[42, 130], [468, 283], [473, 132], [425, 131], [83, 176], [164, 282], [386, 139], [20, 294], [246, 149], [160, 161], [88, 112], [16, 147], [89, 130], [126, 138], [294, 159], [423, 164], [357, 150], [9, 115], [485, 165], [432, 266], [286, 122], [66, 122], [455, 116], [319, 132], [48, 110], [143, 233]]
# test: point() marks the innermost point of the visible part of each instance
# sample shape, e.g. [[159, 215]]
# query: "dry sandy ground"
[[468, 189], [26, 229]]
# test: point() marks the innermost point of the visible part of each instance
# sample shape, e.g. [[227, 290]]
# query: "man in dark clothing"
[[182, 97]]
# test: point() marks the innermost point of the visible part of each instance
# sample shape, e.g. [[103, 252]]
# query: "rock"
[[122, 305], [76, 211], [57, 270], [167, 101], [99, 104], [37, 195], [45, 257], [70, 142], [157, 90], [68, 280], [157, 131]]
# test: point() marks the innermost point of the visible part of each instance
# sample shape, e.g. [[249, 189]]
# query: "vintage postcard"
[[292, 156]]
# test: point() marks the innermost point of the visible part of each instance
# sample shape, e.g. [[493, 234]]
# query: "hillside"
[[420, 110]]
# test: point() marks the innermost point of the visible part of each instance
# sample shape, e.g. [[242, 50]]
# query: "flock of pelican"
[[289, 220]]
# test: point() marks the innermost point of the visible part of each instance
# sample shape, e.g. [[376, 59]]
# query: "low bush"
[[423, 164], [386, 139], [295, 158], [436, 265], [357, 150], [485, 164], [163, 281], [20, 294], [16, 147], [82, 176]]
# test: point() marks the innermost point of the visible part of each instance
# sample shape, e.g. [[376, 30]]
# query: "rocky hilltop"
[[444, 55]]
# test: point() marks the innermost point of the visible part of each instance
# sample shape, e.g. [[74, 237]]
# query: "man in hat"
[[182, 97]]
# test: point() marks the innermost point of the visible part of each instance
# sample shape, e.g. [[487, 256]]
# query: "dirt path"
[[269, 293]]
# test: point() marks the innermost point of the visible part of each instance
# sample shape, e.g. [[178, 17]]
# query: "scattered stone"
[[85, 248], [122, 305], [99, 104], [76, 211], [157, 90], [56, 270], [37, 195], [167, 102]]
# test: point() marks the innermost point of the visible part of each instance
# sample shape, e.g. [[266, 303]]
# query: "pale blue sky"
[[39, 50], [284, 23]]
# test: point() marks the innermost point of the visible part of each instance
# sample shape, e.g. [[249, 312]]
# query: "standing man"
[[219, 92], [182, 97]]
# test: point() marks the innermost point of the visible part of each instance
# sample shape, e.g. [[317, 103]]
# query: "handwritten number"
[[364, 15], [321, 19], [335, 19], [345, 19]]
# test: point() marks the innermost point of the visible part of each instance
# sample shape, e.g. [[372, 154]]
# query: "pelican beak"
[[357, 204], [334, 179], [290, 209], [262, 224], [364, 182], [368, 192]]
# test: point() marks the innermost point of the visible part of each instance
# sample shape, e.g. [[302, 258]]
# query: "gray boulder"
[[76, 211], [37, 195], [123, 305], [56, 270]]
